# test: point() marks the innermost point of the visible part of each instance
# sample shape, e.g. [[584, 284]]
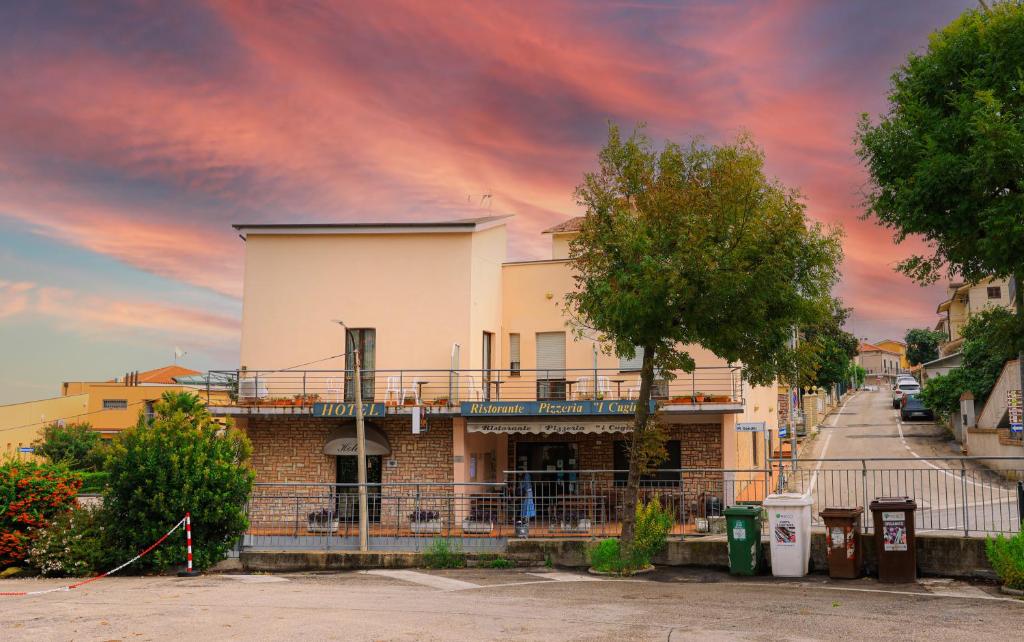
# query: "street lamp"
[[360, 441]]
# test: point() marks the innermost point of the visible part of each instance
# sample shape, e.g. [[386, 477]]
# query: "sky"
[[133, 134]]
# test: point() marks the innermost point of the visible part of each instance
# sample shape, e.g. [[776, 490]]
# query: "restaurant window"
[[634, 364], [550, 366], [995, 292], [514, 360], [672, 461], [365, 341], [115, 404]]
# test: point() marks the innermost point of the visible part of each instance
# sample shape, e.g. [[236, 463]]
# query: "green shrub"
[[497, 562], [93, 482], [181, 461], [1006, 555], [606, 556], [76, 445], [651, 533], [72, 545], [442, 554], [31, 494]]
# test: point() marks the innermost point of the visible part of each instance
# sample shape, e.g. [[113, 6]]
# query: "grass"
[[442, 554], [497, 562]]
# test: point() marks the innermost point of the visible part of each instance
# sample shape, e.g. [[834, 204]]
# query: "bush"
[[93, 482], [652, 528], [179, 462], [1006, 555], [77, 446], [441, 554], [497, 562], [31, 494], [72, 545]]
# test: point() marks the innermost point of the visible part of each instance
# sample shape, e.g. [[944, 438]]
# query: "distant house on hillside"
[[882, 364]]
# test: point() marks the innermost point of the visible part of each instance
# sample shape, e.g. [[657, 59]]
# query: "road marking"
[[944, 471], [824, 446], [565, 577], [433, 581], [255, 579]]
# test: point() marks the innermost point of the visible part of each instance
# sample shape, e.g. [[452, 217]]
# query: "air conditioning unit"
[[252, 389]]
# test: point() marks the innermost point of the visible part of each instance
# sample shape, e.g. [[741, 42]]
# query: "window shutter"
[[551, 351], [513, 348], [632, 364]]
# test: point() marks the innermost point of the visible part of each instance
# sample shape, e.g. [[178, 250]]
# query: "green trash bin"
[[743, 525]]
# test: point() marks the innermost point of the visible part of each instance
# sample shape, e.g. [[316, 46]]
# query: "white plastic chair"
[[393, 392], [335, 388], [583, 390], [604, 387]]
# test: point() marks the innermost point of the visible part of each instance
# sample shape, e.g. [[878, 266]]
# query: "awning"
[[539, 426], [342, 441]]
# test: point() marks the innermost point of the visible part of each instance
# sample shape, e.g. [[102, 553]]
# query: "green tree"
[[76, 445], [945, 160], [923, 345], [188, 403], [181, 461], [827, 350], [694, 245]]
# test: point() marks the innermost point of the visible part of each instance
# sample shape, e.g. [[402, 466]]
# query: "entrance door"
[[555, 478], [348, 496]]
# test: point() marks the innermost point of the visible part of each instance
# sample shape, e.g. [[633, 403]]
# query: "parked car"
[[911, 406], [904, 388]]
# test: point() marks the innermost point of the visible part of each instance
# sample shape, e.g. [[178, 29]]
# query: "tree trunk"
[[636, 463]]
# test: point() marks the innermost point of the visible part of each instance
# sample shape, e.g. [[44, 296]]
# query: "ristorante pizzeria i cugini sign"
[[547, 408]]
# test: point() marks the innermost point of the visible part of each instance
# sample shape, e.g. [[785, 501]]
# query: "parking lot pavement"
[[476, 604]]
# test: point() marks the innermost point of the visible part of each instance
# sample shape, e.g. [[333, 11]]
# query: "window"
[[150, 411], [514, 361], [115, 404], [672, 461], [486, 364], [550, 365], [634, 364], [995, 292], [365, 341]]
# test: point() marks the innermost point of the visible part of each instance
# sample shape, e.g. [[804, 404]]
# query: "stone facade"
[[291, 449]]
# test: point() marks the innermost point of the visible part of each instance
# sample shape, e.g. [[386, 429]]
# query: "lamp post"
[[360, 442]]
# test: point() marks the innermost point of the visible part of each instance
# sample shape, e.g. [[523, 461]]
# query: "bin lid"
[[787, 499], [743, 511], [893, 503], [837, 512]]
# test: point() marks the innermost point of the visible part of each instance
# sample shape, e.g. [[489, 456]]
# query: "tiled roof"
[[572, 225], [166, 374]]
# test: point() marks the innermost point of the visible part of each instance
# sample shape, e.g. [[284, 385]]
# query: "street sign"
[[750, 426], [783, 431], [1014, 410], [26, 449]]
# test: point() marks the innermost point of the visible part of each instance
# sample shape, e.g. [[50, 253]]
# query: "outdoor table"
[[618, 387], [568, 389]]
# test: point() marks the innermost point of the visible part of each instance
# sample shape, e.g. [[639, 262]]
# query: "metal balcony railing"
[[448, 388]]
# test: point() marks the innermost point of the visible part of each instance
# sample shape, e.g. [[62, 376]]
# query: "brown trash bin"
[[895, 543], [842, 541]]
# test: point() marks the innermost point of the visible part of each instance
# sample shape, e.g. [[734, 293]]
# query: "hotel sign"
[[547, 408], [347, 410]]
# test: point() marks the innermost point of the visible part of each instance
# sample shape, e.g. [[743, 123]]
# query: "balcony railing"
[[448, 388]]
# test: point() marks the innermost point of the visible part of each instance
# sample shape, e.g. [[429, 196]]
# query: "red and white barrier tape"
[[101, 575]]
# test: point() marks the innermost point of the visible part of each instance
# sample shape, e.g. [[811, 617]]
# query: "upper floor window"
[[995, 292], [514, 355], [115, 404], [363, 341]]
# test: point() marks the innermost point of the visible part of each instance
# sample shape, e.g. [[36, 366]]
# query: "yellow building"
[[900, 348], [23, 423], [963, 301], [470, 368]]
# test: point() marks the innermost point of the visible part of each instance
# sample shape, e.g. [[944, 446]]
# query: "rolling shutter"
[[513, 351], [550, 351], [627, 365]]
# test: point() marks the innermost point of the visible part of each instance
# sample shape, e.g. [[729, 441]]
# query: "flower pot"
[[477, 528], [421, 528], [680, 400], [323, 525], [700, 398], [720, 399], [581, 526]]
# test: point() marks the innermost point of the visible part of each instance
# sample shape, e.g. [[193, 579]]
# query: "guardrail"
[[448, 388]]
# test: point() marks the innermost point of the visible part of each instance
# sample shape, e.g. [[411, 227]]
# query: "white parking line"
[[944, 471], [564, 577], [828, 438], [433, 581]]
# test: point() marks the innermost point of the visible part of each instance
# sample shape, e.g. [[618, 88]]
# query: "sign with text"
[[1014, 410], [540, 426], [347, 410], [547, 408], [750, 426]]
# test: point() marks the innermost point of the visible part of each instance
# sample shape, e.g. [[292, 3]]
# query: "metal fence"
[[955, 495], [447, 388]]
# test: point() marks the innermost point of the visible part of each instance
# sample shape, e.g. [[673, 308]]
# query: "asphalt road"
[[949, 493], [520, 604]]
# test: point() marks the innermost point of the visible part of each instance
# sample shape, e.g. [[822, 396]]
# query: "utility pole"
[[364, 521], [792, 406]]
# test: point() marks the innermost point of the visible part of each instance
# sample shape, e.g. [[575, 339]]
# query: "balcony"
[[241, 392]]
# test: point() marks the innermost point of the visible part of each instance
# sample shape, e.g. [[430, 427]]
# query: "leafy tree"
[[694, 245], [923, 345], [988, 344], [945, 161], [31, 494], [188, 403], [857, 373], [181, 461], [827, 350], [76, 445]]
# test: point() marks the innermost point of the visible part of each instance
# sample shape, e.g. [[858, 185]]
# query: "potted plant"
[[480, 521], [322, 521], [574, 522], [698, 397], [441, 401], [680, 400], [425, 521], [720, 399], [409, 399]]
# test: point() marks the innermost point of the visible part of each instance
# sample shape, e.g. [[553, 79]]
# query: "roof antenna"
[[486, 197]]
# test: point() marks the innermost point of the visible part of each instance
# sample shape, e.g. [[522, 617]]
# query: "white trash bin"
[[789, 531]]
